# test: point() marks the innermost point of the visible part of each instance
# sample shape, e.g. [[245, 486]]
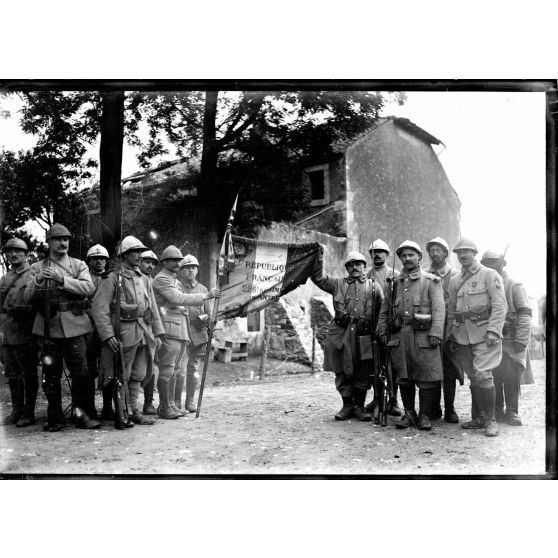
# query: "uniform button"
[[358, 299], [406, 311], [406, 288]]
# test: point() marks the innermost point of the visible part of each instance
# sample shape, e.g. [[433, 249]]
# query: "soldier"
[[476, 313], [19, 355], [515, 365], [97, 257], [147, 263], [383, 275], [356, 300], [140, 325], [172, 300], [63, 283], [198, 317], [412, 329], [438, 251]]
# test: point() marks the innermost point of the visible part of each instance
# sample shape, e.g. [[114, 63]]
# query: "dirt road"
[[280, 425]]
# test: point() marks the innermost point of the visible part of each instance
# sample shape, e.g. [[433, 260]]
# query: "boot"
[[83, 420], [436, 411], [31, 385], [55, 415], [178, 389], [347, 410], [393, 409], [449, 397], [477, 411], [511, 390], [137, 418], [488, 402], [172, 391], [359, 396], [191, 383], [428, 402], [17, 396], [499, 401], [148, 408], [410, 417], [369, 407], [165, 411], [107, 413]]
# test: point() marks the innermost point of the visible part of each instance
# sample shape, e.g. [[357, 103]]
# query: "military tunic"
[[172, 300], [412, 358], [476, 306], [381, 275], [517, 327], [359, 298]]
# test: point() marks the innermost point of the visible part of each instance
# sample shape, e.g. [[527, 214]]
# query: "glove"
[[491, 338], [519, 347], [434, 342]]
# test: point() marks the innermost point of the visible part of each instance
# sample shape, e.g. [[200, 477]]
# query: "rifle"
[[383, 385], [379, 408], [118, 362]]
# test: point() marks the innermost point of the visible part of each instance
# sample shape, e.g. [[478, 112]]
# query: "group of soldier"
[[432, 327], [75, 318]]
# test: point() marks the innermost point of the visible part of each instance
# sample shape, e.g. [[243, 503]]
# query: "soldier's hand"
[[434, 341], [158, 342], [213, 293], [53, 273], [113, 344], [383, 339], [519, 347], [491, 338], [450, 345]]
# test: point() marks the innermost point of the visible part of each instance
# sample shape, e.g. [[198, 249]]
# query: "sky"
[[494, 157]]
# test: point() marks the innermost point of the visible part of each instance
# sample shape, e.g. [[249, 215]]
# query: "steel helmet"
[[16, 243], [493, 255], [149, 255], [189, 260], [378, 244], [409, 244], [355, 257], [171, 253], [130, 243], [57, 230], [465, 244], [440, 241], [97, 251]]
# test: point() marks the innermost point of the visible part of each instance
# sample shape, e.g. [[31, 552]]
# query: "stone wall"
[[291, 333]]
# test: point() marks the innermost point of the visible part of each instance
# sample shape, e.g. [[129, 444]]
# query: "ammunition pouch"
[[342, 319], [478, 316], [421, 322], [129, 312], [365, 326], [148, 316], [198, 323], [395, 322], [77, 307]]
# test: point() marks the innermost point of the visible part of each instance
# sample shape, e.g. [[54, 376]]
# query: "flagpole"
[[220, 279]]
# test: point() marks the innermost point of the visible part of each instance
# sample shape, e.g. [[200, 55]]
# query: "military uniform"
[[355, 302], [139, 324], [418, 314], [171, 300], [477, 305], [381, 275], [20, 354], [515, 367], [69, 323], [195, 350]]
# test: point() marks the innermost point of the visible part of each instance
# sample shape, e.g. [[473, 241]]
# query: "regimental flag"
[[264, 271]]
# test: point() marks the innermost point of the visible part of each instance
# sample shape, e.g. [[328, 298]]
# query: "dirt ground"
[[282, 424]]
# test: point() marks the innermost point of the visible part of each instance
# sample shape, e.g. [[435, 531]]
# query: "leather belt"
[[460, 317]]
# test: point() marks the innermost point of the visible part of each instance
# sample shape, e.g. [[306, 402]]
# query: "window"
[[318, 178]]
